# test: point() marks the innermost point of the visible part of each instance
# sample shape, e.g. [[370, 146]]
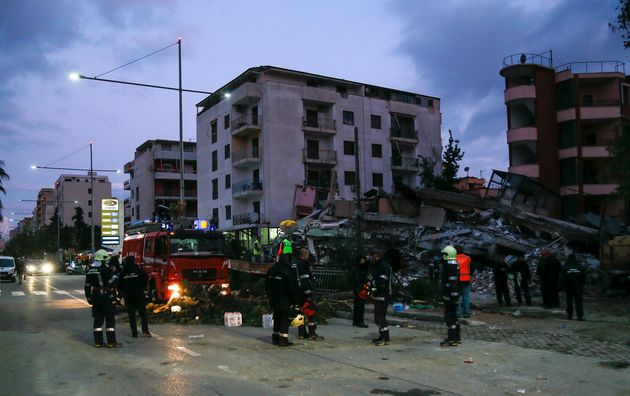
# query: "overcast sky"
[[452, 49]]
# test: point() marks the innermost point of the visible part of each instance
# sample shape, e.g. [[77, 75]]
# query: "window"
[[228, 212], [377, 151], [375, 121], [215, 160], [256, 206], [226, 151], [137, 194], [377, 180], [89, 191], [166, 146], [226, 121], [148, 247], [348, 178], [137, 212], [215, 189], [213, 131], [348, 147], [228, 181], [89, 202], [90, 214], [188, 148], [348, 118], [215, 216]]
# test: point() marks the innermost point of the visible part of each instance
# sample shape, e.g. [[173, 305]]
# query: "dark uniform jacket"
[[133, 284], [304, 277], [573, 275], [549, 268], [521, 272], [281, 286], [100, 283], [360, 275], [382, 280], [450, 281]]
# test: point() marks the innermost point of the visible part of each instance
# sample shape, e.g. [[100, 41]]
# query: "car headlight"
[[225, 285], [47, 268], [30, 268]]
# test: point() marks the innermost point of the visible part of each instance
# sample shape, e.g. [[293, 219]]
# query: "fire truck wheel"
[[152, 292]]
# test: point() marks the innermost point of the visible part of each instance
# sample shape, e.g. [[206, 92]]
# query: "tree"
[[622, 22], [3, 176], [620, 169], [82, 237], [450, 166]]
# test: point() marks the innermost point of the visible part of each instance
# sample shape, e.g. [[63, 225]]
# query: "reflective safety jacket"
[[464, 267], [256, 248], [450, 281], [286, 247], [133, 284], [382, 280], [281, 286], [100, 283], [304, 276]]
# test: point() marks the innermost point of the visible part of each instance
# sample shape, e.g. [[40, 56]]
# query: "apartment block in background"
[[561, 120], [154, 179], [70, 188], [44, 208], [274, 141]]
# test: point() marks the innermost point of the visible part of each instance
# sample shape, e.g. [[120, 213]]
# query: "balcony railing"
[[600, 102], [171, 170], [320, 122], [405, 162], [403, 133], [322, 183], [544, 59], [593, 67], [247, 186], [246, 218], [126, 185], [320, 156], [246, 120], [246, 154]]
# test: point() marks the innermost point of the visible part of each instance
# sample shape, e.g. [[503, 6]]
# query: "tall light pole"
[[179, 89]]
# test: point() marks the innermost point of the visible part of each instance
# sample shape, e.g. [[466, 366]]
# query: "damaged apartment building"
[[276, 143]]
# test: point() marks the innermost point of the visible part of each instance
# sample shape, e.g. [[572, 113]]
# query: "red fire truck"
[[170, 257]]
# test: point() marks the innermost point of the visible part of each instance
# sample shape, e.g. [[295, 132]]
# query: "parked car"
[[76, 268], [35, 266], [7, 268]]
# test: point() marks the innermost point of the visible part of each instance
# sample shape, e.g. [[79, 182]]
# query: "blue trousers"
[[463, 308]]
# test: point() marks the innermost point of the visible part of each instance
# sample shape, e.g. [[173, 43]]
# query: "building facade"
[[271, 133], [44, 208], [561, 120], [71, 188], [154, 179]]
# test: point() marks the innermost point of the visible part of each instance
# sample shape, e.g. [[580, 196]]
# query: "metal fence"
[[331, 278]]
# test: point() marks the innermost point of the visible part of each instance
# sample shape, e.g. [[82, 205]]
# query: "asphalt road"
[[46, 349]]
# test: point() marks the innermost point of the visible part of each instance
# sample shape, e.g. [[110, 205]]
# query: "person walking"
[[132, 285], [574, 277], [382, 290], [450, 296], [465, 275], [359, 289], [19, 269], [100, 283], [282, 291], [501, 272], [522, 277], [304, 277]]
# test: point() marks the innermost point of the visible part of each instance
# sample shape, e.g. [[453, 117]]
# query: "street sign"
[[110, 228]]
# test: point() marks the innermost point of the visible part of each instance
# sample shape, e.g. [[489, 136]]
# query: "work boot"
[[98, 339], [284, 342], [312, 334], [301, 332], [134, 335], [111, 340], [449, 343], [146, 334]]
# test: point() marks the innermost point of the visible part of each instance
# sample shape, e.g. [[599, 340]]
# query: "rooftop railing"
[[545, 59], [593, 67]]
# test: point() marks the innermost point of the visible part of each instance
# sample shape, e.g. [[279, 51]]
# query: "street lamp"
[[91, 171], [76, 76]]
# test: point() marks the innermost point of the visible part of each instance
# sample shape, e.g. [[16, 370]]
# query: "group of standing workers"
[[104, 280]]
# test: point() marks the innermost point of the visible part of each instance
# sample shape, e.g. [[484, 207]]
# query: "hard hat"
[[101, 255], [298, 320], [449, 253]]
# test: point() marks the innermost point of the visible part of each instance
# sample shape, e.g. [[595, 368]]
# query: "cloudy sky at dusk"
[[450, 49]]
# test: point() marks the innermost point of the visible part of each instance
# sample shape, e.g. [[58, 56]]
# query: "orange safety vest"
[[464, 267]]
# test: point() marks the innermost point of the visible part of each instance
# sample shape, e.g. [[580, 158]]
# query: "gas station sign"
[[110, 221]]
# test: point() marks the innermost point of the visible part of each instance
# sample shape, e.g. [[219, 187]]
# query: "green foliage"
[[3, 176], [424, 289], [620, 169], [451, 157], [622, 21]]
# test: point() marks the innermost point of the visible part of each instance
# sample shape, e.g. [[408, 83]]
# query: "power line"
[[71, 154], [136, 60]]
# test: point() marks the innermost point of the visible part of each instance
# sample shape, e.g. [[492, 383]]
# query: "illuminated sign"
[[110, 228]]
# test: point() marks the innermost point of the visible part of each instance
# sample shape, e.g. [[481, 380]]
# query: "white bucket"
[[232, 319], [267, 321]]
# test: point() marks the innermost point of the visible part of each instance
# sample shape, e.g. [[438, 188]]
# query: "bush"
[[424, 289]]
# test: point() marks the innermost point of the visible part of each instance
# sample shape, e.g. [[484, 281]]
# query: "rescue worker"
[[549, 269], [304, 278], [19, 269], [359, 282], [282, 291], [501, 271], [574, 277], [465, 271], [99, 285], [285, 248], [381, 292], [522, 277], [450, 296], [132, 285], [256, 257]]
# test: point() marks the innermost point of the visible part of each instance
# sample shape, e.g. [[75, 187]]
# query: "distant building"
[[44, 208], [561, 120], [283, 138], [154, 179], [70, 188]]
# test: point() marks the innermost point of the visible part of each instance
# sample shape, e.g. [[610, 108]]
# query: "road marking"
[[61, 292], [78, 291], [227, 369], [156, 336], [40, 293], [54, 288], [18, 293], [188, 351]]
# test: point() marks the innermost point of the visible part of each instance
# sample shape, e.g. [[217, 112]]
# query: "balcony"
[[531, 170], [128, 167], [520, 93], [320, 183], [404, 136], [246, 218], [127, 185], [247, 125], [595, 152], [173, 174], [326, 157], [246, 94], [246, 158], [189, 195], [321, 126], [405, 164], [173, 154], [521, 134], [600, 109], [247, 188]]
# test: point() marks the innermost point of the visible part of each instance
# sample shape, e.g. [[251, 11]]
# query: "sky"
[[452, 49]]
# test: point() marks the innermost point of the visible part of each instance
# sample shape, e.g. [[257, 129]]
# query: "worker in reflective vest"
[[450, 296], [463, 308], [256, 252], [286, 247]]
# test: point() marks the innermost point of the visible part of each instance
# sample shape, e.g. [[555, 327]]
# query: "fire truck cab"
[[170, 257]]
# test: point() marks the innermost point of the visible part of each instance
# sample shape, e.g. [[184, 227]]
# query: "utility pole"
[[182, 199], [92, 198]]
